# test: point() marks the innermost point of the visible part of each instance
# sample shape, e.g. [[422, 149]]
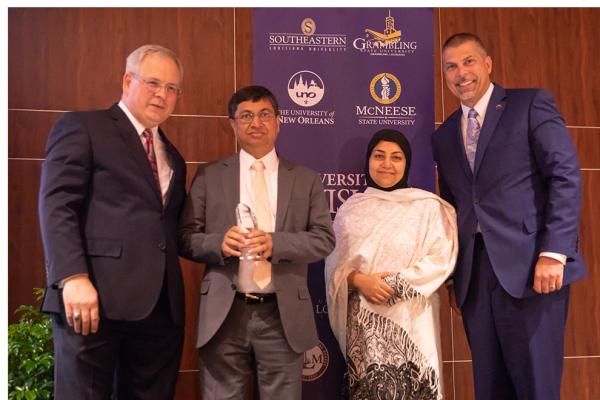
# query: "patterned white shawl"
[[409, 232]]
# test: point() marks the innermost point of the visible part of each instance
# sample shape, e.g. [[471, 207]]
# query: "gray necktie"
[[473, 129]]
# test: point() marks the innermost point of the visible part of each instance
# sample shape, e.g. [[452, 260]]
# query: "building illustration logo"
[[389, 36], [306, 88]]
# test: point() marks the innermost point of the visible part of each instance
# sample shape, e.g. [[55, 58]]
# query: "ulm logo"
[[316, 361], [306, 88]]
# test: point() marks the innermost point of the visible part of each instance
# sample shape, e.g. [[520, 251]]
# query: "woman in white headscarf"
[[395, 246]]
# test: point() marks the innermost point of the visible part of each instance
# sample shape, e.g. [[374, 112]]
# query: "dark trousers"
[[251, 335], [516, 344], [124, 360]]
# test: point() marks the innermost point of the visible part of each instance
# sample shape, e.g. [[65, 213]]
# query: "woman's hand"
[[371, 286]]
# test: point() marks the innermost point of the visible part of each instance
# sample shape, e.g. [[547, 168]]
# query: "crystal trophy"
[[246, 219]]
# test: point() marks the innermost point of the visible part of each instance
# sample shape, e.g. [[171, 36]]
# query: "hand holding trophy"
[[246, 220]]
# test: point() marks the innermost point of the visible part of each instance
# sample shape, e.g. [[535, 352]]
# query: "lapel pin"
[[499, 106]]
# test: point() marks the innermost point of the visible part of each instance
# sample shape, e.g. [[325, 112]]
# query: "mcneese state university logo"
[[306, 89], [385, 89], [316, 361], [386, 43], [307, 39]]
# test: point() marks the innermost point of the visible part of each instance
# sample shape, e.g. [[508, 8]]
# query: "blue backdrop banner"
[[340, 75]]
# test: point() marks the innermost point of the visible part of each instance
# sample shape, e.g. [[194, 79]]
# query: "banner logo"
[[316, 361], [386, 43], [385, 88], [307, 40], [306, 88], [308, 26], [389, 36]]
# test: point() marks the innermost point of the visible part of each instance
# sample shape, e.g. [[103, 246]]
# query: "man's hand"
[[81, 304], [452, 299], [260, 243], [233, 241], [548, 275], [372, 286]]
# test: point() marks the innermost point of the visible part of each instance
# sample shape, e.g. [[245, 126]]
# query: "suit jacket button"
[[162, 246]]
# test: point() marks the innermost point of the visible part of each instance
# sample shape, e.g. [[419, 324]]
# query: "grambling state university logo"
[[316, 361], [390, 42], [306, 88], [385, 88], [389, 36]]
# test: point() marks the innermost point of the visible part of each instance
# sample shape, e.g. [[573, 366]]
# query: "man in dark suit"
[[112, 188], [507, 163], [255, 312]]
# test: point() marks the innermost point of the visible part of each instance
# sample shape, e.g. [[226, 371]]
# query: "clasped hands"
[[371, 286], [259, 243]]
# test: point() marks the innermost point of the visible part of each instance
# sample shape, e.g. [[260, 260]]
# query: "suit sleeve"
[[442, 185], [556, 159], [65, 181], [194, 243], [312, 244]]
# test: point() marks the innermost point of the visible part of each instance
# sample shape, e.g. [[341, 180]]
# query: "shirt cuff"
[[556, 256], [61, 284]]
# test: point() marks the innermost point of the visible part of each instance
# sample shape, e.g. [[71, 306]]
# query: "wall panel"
[[25, 254]]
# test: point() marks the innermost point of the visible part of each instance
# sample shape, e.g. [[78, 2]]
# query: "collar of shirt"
[[139, 128], [165, 171], [270, 160], [480, 106]]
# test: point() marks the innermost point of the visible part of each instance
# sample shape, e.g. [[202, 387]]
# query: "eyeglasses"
[[155, 85], [248, 117]]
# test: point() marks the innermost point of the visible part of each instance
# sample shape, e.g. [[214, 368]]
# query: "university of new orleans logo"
[[316, 361], [306, 89], [386, 43], [307, 40], [385, 89]]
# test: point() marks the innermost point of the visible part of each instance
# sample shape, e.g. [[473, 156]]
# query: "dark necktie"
[[147, 134]]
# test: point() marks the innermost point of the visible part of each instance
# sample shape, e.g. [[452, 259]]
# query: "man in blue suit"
[[507, 163]]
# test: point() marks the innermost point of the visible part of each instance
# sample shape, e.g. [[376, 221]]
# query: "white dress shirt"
[[245, 281], [165, 172]]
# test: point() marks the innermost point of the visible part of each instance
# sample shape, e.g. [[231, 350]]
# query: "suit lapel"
[[285, 184], [230, 185], [493, 113], [132, 140], [170, 151]]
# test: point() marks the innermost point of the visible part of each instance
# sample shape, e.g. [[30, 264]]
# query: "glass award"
[[246, 219]]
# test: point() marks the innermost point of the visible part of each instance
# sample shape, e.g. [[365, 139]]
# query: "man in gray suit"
[[255, 312]]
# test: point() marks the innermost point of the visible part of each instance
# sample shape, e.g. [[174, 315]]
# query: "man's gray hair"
[[134, 60]]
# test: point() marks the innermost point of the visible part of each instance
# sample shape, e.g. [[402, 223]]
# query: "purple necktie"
[[473, 129], [147, 134]]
